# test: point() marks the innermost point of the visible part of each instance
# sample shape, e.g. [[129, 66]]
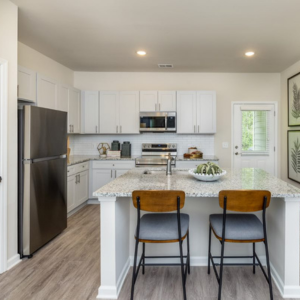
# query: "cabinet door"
[[206, 112], [90, 111], [101, 177], [119, 172], [109, 116], [63, 98], [129, 112], [167, 101], [74, 111], [26, 84], [148, 101], [71, 192], [82, 188], [186, 112], [47, 91]]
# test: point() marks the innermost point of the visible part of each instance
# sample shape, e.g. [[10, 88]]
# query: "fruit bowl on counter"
[[207, 172]]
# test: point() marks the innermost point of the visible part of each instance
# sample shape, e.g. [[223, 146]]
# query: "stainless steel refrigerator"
[[42, 176]]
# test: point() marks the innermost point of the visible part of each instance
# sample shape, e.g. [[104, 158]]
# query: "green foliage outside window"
[[247, 130]]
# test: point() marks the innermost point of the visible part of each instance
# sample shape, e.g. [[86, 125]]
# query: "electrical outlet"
[[225, 145]]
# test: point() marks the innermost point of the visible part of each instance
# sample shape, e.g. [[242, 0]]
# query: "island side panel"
[[114, 245]]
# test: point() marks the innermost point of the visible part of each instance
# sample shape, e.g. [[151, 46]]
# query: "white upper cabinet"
[[206, 112], [90, 111], [47, 92], [196, 112], [186, 112], [74, 111], [26, 84], [167, 101], [129, 112], [109, 112], [63, 98], [148, 101]]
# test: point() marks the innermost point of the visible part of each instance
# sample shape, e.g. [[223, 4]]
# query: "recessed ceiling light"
[[250, 53], [141, 52]]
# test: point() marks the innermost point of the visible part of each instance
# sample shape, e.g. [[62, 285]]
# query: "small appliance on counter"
[[113, 154], [126, 149], [193, 153], [156, 155], [103, 148], [115, 146]]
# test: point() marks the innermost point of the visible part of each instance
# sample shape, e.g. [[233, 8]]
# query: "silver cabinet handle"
[[110, 173], [198, 128], [115, 173], [69, 128], [96, 129], [78, 178]]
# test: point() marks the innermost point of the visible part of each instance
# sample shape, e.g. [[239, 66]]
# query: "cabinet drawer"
[[81, 167], [71, 171], [191, 164], [113, 164]]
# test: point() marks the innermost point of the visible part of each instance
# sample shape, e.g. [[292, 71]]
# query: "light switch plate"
[[225, 145]]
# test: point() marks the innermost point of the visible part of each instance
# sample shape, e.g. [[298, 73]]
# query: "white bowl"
[[204, 177]]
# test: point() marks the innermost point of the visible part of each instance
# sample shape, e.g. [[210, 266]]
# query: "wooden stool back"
[[158, 201], [244, 200]]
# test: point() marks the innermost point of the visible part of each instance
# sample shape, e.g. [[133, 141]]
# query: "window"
[[255, 132]]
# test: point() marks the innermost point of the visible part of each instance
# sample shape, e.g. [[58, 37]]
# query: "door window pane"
[[255, 132]]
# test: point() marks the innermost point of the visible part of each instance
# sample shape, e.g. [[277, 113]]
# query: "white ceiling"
[[193, 35]]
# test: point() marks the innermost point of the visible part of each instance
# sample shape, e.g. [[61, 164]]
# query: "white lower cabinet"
[[78, 185], [104, 172], [192, 164]]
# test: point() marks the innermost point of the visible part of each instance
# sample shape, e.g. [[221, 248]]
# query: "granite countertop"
[[247, 178], [205, 157], [76, 159]]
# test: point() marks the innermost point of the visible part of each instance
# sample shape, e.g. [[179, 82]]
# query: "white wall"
[[34, 60], [229, 87], [292, 70], [8, 51]]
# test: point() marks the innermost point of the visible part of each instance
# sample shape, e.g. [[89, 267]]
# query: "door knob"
[[236, 153]]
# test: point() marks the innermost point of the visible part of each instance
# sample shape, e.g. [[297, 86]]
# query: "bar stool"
[[160, 226], [240, 228]]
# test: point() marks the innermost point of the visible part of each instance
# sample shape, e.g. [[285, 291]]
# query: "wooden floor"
[[69, 268]]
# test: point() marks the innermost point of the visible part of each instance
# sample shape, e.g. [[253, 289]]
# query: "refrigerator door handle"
[[36, 160]]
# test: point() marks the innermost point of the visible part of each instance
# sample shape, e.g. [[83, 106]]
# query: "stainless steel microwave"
[[158, 121]]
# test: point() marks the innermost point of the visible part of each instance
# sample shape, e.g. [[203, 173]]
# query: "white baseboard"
[[123, 276], [93, 201], [13, 261]]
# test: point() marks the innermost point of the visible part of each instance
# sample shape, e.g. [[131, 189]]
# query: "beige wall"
[[229, 87], [34, 60], [292, 70], [8, 51]]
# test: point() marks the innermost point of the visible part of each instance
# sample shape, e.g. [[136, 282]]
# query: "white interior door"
[[254, 137]]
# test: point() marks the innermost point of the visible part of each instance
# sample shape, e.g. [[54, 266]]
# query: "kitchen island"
[[118, 222]]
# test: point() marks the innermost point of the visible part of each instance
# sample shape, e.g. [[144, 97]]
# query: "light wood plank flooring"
[[69, 268]]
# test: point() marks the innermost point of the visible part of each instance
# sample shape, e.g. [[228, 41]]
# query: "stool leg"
[[134, 268], [221, 270], [188, 253], [143, 258], [253, 258], [269, 270], [182, 270], [209, 245]]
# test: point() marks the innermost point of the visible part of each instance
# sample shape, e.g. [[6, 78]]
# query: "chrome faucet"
[[169, 165]]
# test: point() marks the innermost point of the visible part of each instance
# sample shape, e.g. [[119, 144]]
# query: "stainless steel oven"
[[157, 121]]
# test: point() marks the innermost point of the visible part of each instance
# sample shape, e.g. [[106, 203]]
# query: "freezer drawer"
[[44, 211]]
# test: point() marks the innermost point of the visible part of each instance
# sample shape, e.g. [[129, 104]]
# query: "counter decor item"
[[126, 149], [113, 154], [192, 149], [102, 148], [194, 154], [115, 146], [294, 155], [207, 172], [294, 100]]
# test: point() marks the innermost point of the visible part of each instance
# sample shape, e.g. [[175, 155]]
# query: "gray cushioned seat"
[[162, 226], [238, 226]]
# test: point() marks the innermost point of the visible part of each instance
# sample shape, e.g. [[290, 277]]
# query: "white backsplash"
[[87, 144]]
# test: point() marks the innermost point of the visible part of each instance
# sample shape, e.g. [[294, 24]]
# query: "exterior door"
[[254, 137], [109, 119], [148, 101], [186, 112], [129, 112]]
